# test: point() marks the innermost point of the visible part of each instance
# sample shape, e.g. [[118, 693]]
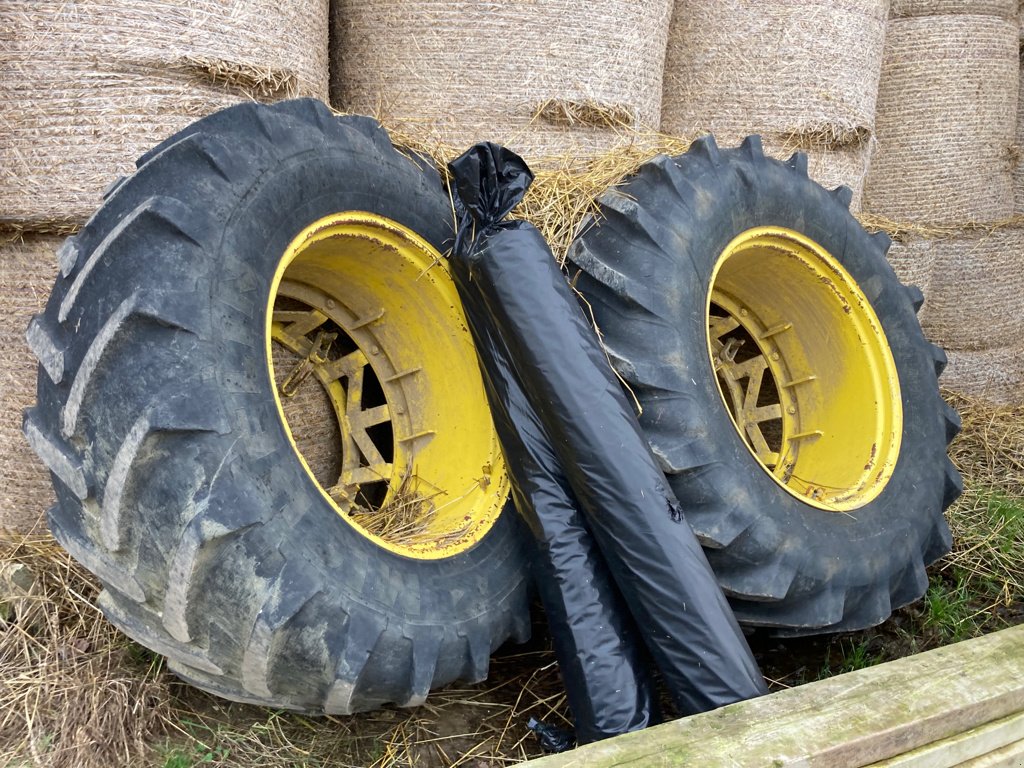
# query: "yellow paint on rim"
[[804, 368], [388, 290]]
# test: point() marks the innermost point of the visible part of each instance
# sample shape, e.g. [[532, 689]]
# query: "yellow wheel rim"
[[364, 319], [804, 368]]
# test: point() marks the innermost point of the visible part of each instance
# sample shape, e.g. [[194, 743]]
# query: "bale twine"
[[996, 375], [1004, 9], [548, 77], [945, 123], [973, 295], [28, 269], [801, 73], [88, 86]]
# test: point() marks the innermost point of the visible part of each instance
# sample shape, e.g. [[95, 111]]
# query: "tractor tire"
[[263, 261], [785, 385]]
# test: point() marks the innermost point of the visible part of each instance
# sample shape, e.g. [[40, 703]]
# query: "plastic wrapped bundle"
[[599, 650], [653, 556]]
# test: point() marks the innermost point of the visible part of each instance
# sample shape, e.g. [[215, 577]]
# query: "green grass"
[[179, 757], [1006, 516], [950, 608]]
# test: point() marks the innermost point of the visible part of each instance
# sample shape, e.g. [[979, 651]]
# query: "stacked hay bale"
[[88, 86], [27, 271], [943, 174], [802, 73], [85, 88], [549, 78]]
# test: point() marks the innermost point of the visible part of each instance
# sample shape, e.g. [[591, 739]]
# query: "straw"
[[546, 78], [774, 67], [1018, 168], [993, 375], [947, 107]]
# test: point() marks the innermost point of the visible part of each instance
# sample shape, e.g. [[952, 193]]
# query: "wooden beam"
[[962, 747], [847, 721], [1010, 756]]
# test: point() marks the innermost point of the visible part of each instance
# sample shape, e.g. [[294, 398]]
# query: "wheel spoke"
[[344, 367], [290, 328], [744, 381], [363, 462], [719, 326]]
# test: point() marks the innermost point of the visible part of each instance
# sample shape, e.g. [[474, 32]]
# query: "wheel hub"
[[363, 314], [804, 368]]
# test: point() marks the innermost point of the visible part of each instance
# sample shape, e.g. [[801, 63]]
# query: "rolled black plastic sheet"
[[654, 558], [600, 654]]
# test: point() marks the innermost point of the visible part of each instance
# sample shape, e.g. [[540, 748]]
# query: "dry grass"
[[73, 691], [988, 519], [406, 518], [901, 231]]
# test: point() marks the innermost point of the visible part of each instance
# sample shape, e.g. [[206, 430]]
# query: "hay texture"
[[912, 261], [1004, 9], [995, 375], [947, 108], [28, 269], [973, 301], [547, 78], [801, 73], [829, 166], [88, 86]]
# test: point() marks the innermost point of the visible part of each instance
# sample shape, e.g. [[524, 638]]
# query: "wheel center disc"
[[378, 386], [804, 368]]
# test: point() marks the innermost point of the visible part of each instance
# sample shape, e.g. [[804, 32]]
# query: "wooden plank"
[[1010, 756], [848, 721], [958, 749]]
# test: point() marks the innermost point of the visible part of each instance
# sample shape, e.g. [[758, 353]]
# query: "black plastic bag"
[[600, 654], [654, 558]]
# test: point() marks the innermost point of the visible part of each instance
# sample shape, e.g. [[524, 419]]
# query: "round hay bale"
[[972, 301], [829, 166], [912, 261], [806, 68], [945, 124], [1004, 9], [88, 86], [548, 78], [996, 375], [28, 269]]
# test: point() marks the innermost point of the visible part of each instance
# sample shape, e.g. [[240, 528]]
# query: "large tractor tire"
[[786, 387], [265, 288]]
